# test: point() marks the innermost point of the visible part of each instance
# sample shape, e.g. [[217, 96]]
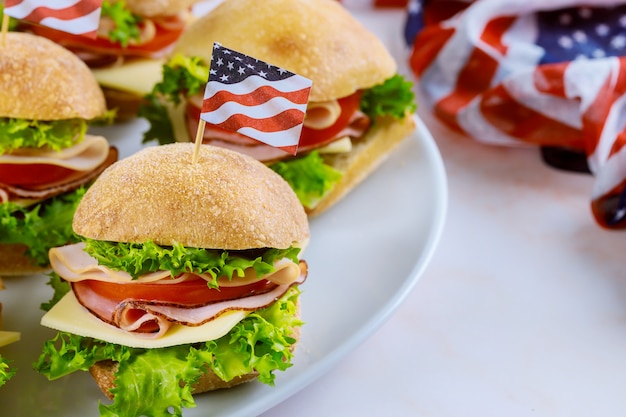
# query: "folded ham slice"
[[152, 319]]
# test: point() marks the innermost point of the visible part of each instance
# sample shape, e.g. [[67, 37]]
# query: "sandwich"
[[6, 370], [126, 55], [359, 107], [48, 98], [186, 279]]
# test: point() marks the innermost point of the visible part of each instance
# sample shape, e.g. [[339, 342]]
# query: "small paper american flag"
[[531, 72], [78, 17], [256, 99]]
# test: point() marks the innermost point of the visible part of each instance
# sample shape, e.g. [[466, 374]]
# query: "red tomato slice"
[[193, 291], [164, 37], [32, 174]]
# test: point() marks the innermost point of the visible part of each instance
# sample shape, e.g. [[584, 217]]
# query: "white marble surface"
[[521, 312]]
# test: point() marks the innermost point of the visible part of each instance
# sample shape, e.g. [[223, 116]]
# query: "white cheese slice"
[[137, 76], [69, 316], [8, 337]]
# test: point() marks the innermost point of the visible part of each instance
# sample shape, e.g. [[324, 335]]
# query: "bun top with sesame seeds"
[[41, 80], [225, 200]]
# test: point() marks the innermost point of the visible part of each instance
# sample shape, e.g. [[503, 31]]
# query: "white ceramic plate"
[[365, 255]]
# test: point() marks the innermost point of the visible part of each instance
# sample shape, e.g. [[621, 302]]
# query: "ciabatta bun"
[[103, 373], [41, 80], [225, 200], [317, 39]]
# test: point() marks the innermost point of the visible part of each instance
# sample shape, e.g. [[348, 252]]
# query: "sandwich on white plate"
[[359, 107], [186, 279], [48, 99]]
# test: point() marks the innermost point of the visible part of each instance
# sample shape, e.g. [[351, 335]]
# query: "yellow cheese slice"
[[342, 145], [8, 337], [69, 316], [137, 76]]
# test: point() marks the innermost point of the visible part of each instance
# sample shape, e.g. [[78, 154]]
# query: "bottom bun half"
[[103, 372], [126, 104], [13, 261], [366, 155]]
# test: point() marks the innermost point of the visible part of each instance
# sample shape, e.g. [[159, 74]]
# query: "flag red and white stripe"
[[532, 72], [255, 99], [78, 17]]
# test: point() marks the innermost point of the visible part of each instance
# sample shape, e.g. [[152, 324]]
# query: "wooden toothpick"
[[5, 27], [199, 135]]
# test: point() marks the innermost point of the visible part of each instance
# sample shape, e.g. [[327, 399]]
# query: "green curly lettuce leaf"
[[6, 372], [60, 287], [125, 23], [148, 381], [141, 258], [56, 134], [182, 76], [41, 226], [309, 177], [394, 97], [160, 126]]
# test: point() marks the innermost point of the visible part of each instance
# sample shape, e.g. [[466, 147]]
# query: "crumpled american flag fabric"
[[355, 4], [255, 98], [541, 73], [78, 17]]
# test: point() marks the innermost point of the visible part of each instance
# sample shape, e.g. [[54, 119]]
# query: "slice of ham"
[[71, 183], [153, 319], [73, 264]]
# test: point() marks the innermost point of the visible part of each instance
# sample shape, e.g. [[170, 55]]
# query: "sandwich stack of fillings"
[[180, 286], [127, 53], [359, 107], [48, 97]]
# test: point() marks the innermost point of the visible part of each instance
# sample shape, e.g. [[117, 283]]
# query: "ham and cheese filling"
[[38, 174], [150, 304], [157, 36], [325, 123]]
